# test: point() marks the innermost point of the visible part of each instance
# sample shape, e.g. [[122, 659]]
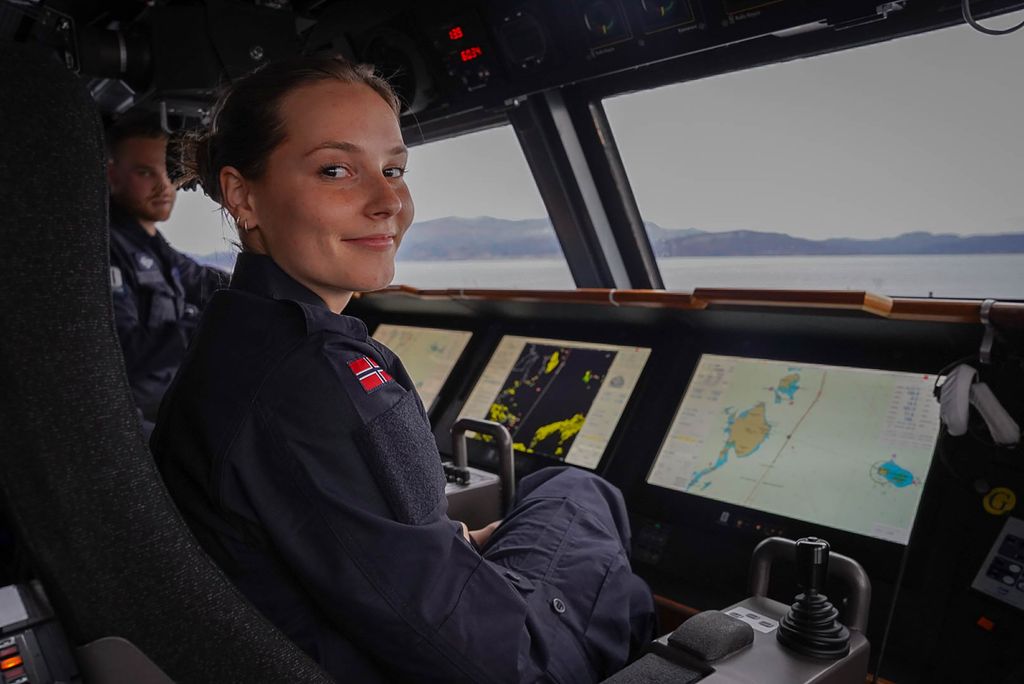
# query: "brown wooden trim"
[[671, 614], [1003, 314], [669, 604], [946, 310], [879, 305]]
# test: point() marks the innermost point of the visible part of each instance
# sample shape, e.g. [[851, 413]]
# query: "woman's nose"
[[384, 201]]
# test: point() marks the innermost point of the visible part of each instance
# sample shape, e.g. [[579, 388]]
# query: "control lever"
[[811, 626], [845, 568], [506, 464], [744, 642]]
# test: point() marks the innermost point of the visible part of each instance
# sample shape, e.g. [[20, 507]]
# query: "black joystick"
[[810, 627]]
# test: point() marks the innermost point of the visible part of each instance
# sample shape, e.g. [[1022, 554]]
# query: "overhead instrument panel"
[[466, 50], [558, 398], [525, 42], [658, 15], [428, 354], [847, 448], [605, 22]]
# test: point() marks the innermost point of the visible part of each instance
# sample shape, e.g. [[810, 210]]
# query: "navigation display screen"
[[557, 398], [844, 447], [429, 354]]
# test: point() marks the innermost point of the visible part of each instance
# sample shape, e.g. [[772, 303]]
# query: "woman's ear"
[[235, 191], [238, 200]]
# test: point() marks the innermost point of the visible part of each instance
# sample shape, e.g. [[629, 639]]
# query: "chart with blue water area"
[[848, 448]]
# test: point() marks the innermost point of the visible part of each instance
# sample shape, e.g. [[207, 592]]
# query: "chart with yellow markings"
[[558, 398]]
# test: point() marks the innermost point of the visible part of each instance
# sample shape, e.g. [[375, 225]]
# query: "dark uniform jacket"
[[158, 293], [302, 459]]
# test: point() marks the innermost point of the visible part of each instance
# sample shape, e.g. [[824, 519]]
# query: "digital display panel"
[[557, 398], [470, 53], [428, 354], [844, 447]]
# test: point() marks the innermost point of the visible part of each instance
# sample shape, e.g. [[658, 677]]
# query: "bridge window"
[[480, 221], [894, 168]]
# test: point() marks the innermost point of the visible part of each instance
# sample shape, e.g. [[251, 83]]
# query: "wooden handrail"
[[1003, 314]]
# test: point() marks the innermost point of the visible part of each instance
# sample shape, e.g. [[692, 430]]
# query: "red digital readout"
[[455, 33], [469, 54]]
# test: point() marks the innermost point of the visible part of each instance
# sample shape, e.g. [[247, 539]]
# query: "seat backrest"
[[82, 491]]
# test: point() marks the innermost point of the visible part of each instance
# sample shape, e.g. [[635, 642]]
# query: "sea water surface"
[[976, 276]]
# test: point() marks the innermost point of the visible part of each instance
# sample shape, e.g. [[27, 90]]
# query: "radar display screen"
[[557, 398], [429, 354], [848, 448]]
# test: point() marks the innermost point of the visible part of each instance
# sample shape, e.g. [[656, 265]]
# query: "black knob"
[[812, 563]]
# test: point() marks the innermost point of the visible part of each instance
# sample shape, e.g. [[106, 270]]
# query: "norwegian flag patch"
[[369, 374]]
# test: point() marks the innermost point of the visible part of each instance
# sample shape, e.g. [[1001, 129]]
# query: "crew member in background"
[[158, 292]]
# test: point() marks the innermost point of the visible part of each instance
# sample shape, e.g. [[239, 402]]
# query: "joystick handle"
[[812, 627], [840, 567], [812, 563]]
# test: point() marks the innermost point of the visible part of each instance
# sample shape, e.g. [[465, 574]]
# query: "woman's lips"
[[380, 242]]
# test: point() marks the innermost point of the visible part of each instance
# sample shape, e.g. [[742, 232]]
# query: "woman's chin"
[[376, 283]]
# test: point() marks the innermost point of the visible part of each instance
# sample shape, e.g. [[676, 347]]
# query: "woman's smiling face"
[[332, 205]]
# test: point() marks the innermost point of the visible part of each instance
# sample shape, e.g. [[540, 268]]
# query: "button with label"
[[1008, 580], [17, 674]]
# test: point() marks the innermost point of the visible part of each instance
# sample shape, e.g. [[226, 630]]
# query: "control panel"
[[1002, 574], [33, 649]]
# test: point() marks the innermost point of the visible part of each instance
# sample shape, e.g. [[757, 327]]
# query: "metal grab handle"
[[506, 465], [843, 567]]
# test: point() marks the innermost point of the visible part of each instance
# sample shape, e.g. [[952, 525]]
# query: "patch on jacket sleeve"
[[116, 279], [370, 375], [401, 454]]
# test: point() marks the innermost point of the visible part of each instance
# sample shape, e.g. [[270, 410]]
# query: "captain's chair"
[[82, 492]]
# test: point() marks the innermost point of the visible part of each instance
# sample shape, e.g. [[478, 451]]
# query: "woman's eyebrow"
[[352, 147]]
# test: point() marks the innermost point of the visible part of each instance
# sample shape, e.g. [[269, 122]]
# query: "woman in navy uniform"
[[302, 458]]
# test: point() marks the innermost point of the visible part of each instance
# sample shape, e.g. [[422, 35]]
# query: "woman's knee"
[[585, 489]]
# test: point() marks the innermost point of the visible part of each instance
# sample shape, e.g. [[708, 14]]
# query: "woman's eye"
[[334, 171], [394, 172]]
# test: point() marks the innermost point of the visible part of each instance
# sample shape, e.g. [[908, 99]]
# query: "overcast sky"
[[922, 133]]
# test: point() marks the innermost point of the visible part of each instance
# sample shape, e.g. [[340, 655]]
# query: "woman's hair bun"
[[189, 161]]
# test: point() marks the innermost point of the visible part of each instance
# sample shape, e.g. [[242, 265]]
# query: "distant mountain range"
[[452, 238]]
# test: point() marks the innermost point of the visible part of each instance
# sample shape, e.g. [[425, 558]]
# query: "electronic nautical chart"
[[844, 447], [557, 398], [429, 354]]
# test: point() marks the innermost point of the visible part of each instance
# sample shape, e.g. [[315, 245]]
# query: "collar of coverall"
[[258, 274]]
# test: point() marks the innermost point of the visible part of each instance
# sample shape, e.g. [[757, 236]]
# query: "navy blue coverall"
[[302, 459], [158, 294]]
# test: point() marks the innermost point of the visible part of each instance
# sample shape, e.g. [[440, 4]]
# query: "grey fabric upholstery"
[[83, 493]]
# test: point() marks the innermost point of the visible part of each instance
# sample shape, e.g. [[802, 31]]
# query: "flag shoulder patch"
[[369, 374]]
